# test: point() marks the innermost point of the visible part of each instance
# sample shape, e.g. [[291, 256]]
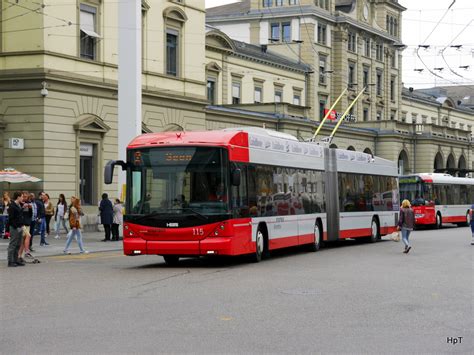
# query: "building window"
[[88, 33], [379, 83], [365, 114], [351, 75], [172, 43], [267, 3], [379, 115], [322, 107], [211, 90], [278, 95], [278, 2], [293, 2], [257, 94], [236, 93], [280, 31], [297, 98], [365, 78], [322, 69], [351, 42], [379, 52], [392, 88], [323, 4], [367, 47], [322, 33]]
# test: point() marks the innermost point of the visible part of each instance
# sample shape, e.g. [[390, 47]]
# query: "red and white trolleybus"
[[438, 198], [249, 191]]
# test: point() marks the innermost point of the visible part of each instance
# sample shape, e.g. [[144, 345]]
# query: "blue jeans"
[[70, 237], [405, 236], [3, 223], [59, 221], [42, 229]]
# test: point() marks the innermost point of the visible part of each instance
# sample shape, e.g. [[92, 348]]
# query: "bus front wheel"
[[316, 245], [259, 245], [171, 260]]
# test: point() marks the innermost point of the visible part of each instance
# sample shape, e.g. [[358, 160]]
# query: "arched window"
[[333, 146], [438, 162], [368, 151], [351, 148], [403, 166], [451, 162]]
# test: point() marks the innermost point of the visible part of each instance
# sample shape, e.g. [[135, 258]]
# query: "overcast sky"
[[420, 28]]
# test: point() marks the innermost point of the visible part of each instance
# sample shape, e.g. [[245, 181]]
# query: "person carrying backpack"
[[406, 223]]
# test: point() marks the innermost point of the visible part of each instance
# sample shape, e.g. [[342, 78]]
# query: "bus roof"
[[438, 178], [264, 146]]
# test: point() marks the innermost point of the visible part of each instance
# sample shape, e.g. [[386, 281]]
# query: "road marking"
[[226, 318], [69, 257]]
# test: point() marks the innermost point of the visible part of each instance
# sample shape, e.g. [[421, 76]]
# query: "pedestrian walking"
[[60, 215], [106, 215], [15, 217], [471, 212], [34, 215], [118, 219], [48, 211], [75, 213], [406, 223], [26, 211]]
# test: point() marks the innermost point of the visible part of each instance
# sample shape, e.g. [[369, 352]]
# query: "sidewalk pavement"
[[92, 243]]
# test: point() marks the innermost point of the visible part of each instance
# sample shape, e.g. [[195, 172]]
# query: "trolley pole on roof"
[[129, 79], [345, 114], [328, 113]]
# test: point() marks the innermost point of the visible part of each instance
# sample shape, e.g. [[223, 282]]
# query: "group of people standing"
[[111, 217], [27, 214]]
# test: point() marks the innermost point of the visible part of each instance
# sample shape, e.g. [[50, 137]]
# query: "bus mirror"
[[109, 170], [235, 177]]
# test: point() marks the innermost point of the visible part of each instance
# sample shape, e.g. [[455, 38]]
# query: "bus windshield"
[[413, 189], [186, 182]]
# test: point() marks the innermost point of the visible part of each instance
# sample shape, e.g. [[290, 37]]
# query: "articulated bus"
[[249, 191], [438, 198]]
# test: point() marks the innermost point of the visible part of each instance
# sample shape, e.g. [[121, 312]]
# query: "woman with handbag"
[[106, 215], [406, 223], [75, 213]]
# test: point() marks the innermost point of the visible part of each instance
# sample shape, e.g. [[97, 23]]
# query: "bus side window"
[[239, 199], [252, 191]]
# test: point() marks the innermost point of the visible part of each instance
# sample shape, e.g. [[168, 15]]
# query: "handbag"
[[395, 236]]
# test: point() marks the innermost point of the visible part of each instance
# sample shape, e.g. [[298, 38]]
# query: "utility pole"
[[130, 79]]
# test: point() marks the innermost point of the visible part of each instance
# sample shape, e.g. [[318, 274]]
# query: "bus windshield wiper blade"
[[196, 213]]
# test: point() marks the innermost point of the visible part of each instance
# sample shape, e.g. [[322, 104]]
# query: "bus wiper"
[[155, 213], [196, 213]]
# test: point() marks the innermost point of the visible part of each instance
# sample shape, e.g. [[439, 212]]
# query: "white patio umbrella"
[[12, 176]]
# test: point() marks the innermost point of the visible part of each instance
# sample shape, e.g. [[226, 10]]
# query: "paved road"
[[354, 298]]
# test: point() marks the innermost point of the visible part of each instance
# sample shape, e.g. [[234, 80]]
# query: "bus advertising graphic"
[[249, 191]]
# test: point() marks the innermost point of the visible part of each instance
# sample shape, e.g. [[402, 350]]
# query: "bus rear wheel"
[[374, 230], [439, 221], [171, 260]]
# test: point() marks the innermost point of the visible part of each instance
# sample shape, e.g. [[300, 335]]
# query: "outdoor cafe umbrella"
[[13, 176]]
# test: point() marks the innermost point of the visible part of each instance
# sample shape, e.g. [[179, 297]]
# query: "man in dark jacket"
[[41, 219], [15, 217], [106, 215]]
